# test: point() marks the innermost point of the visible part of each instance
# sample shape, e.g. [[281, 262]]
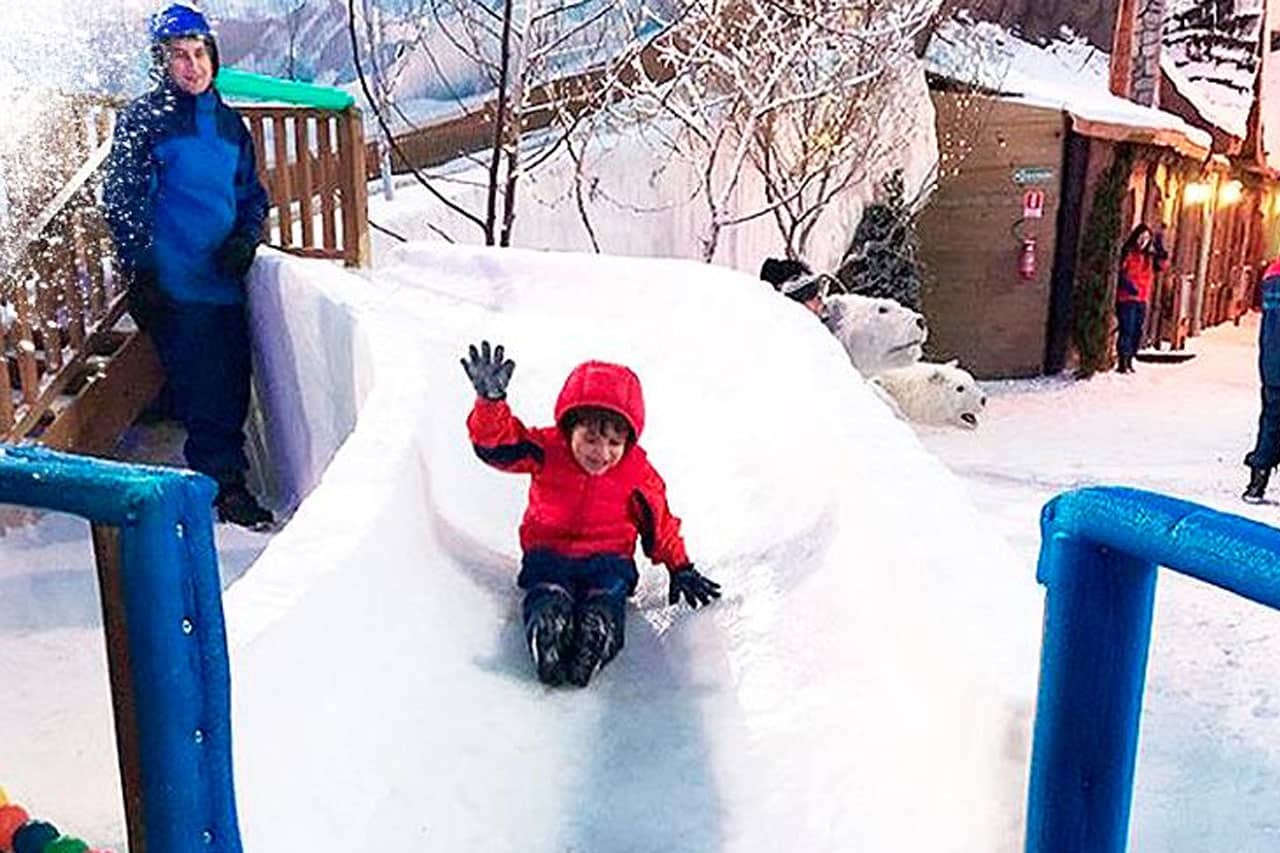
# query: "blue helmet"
[[178, 21]]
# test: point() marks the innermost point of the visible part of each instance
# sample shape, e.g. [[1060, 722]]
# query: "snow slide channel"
[[865, 684]]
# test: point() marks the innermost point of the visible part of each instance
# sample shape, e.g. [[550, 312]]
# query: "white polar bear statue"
[[878, 334], [942, 394]]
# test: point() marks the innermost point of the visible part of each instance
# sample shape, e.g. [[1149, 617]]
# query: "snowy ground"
[[689, 692], [1209, 756]]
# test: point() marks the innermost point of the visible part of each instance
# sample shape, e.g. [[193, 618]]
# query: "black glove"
[[488, 372], [696, 589], [146, 303], [235, 256]]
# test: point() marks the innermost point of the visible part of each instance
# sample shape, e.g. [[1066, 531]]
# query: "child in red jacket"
[[592, 493]]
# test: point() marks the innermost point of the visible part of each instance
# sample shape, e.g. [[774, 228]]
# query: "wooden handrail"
[[55, 206]]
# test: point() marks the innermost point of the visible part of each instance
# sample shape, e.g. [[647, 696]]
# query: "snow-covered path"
[[1209, 756]]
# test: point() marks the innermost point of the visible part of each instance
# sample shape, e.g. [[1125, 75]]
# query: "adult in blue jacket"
[[186, 210], [1266, 450]]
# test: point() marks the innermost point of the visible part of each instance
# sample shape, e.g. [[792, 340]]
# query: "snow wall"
[[865, 684]]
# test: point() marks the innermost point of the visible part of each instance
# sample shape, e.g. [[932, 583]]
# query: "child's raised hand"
[[696, 589], [488, 371]]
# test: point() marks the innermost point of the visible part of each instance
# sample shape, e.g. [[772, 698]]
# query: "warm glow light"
[[1196, 193], [1230, 193]]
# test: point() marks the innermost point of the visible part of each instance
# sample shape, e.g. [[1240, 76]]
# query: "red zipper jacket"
[[1137, 268], [573, 513]]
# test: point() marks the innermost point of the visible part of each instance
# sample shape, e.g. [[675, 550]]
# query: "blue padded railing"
[[162, 602], [1099, 552]]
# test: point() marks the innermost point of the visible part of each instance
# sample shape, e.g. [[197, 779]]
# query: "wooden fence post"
[[354, 188]]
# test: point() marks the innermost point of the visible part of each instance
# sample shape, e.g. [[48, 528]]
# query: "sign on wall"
[[1033, 204], [1033, 175]]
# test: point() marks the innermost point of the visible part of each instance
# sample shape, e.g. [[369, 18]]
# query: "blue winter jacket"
[[181, 181], [1269, 334]]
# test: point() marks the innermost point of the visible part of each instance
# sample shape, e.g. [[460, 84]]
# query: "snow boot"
[[236, 505], [549, 632], [598, 642], [1256, 490]]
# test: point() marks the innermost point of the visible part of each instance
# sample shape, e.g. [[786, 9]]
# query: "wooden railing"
[[77, 372], [60, 301], [312, 163]]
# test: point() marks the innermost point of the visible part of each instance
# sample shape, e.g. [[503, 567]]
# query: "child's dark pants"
[[602, 582]]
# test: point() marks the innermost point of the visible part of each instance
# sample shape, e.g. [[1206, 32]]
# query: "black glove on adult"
[[696, 589], [488, 371], [235, 256]]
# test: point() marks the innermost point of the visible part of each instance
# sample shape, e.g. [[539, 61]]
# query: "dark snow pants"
[[1266, 451], [1129, 317], [204, 349], [603, 582]]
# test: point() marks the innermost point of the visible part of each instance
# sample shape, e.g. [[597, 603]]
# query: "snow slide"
[[865, 684]]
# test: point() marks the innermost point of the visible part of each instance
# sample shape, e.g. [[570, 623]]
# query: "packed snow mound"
[[865, 683]]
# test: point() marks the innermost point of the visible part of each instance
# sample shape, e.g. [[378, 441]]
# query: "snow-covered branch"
[[793, 92]]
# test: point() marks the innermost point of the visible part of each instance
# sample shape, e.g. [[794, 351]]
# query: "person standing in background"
[[1266, 449], [186, 209]]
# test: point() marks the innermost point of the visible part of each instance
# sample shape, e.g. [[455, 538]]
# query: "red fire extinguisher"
[[1027, 259]]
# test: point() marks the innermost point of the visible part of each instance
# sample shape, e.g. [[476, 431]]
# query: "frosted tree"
[[1220, 36], [295, 15], [884, 258], [519, 68], [793, 95]]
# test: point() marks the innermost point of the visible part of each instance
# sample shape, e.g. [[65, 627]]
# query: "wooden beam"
[[283, 189], [94, 420], [328, 183], [356, 247], [106, 550], [306, 191], [41, 404]]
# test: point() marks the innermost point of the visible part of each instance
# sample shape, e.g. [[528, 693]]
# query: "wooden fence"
[[76, 371], [319, 199]]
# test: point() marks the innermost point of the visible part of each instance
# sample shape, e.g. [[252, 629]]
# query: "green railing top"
[[244, 85]]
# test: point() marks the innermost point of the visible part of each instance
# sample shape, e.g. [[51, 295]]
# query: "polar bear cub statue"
[[878, 334], [940, 394]]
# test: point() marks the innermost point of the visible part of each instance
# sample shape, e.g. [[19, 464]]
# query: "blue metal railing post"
[[1099, 553], [1098, 608], [153, 536]]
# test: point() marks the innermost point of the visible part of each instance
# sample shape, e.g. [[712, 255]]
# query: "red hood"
[[1272, 269], [604, 385]]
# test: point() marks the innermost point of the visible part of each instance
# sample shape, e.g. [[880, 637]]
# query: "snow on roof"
[[1069, 74], [1209, 55]]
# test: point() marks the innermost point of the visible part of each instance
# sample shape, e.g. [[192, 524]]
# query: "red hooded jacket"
[[571, 512]]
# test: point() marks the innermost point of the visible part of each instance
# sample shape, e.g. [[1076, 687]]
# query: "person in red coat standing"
[[593, 492], [1141, 257]]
